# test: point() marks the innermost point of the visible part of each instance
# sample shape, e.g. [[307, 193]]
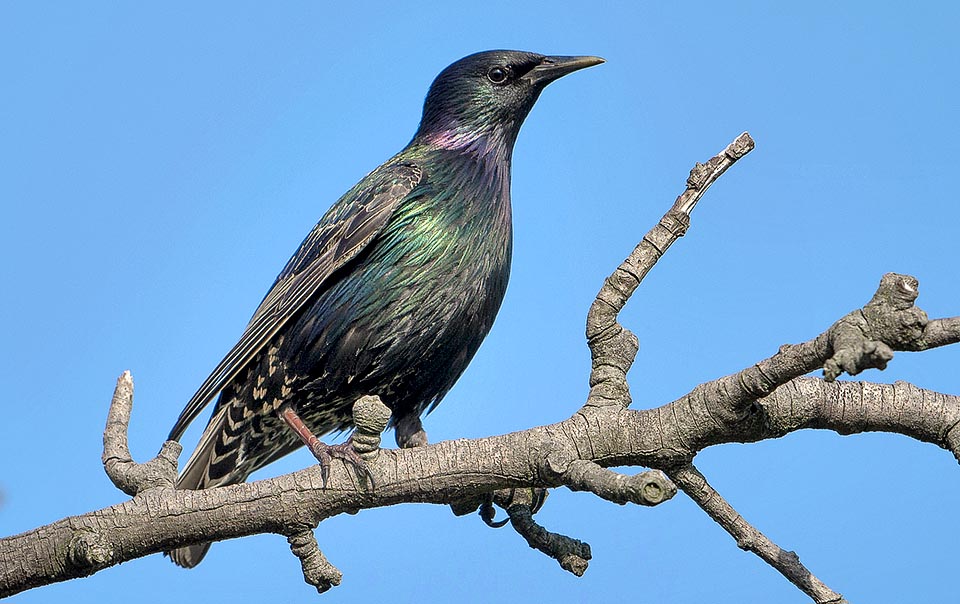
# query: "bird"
[[390, 294]]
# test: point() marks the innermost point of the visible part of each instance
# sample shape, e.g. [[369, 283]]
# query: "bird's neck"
[[492, 144]]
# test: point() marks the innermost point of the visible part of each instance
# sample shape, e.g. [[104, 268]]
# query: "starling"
[[390, 294]]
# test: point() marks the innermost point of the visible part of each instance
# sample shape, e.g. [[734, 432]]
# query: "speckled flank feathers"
[[391, 293]]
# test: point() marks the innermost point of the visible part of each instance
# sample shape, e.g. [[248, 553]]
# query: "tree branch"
[[613, 348], [764, 401], [572, 555], [127, 475], [317, 570], [750, 539]]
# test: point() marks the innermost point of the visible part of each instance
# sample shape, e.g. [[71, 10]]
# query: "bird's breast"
[[409, 315]]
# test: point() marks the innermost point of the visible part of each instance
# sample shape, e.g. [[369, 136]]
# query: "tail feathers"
[[189, 556], [205, 470]]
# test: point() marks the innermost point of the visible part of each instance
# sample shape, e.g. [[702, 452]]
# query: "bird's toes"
[[345, 452], [321, 452]]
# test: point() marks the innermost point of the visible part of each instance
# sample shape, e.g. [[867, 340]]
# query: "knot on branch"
[[127, 475], [700, 173], [88, 550], [370, 416], [612, 354], [866, 338], [317, 570], [891, 312], [704, 175]]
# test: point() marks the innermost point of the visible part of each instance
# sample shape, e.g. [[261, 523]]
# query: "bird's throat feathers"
[[480, 156], [494, 144]]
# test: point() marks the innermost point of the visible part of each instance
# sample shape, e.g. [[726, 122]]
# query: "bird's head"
[[480, 101]]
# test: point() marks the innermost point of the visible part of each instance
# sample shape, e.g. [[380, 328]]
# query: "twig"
[[646, 488], [317, 570], [612, 347], [864, 338], [692, 482], [127, 475], [572, 554]]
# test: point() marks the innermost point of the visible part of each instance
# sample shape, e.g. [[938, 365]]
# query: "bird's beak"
[[551, 68]]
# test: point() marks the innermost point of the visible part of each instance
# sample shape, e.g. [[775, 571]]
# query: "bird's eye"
[[497, 75]]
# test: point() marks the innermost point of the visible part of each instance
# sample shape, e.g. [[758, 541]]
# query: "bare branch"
[[127, 475], [750, 539], [317, 570], [572, 555], [646, 488], [613, 350], [451, 471], [864, 338], [612, 347]]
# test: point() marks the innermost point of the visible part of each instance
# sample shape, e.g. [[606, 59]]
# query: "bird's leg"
[[323, 452], [409, 432]]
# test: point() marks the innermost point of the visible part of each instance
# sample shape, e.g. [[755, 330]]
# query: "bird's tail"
[[206, 469]]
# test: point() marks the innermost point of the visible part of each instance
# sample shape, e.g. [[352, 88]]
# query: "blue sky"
[[158, 164]]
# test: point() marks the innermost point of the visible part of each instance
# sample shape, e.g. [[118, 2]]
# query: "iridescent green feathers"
[[391, 293], [345, 230]]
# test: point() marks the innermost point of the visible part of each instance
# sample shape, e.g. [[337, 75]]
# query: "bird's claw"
[[537, 496], [488, 513], [325, 455]]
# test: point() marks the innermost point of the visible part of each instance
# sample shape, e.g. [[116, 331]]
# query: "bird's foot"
[[345, 452], [532, 497], [325, 453]]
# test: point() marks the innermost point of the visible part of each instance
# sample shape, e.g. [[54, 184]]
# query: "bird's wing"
[[346, 229]]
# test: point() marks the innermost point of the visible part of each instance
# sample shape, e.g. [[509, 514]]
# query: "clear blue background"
[[159, 164]]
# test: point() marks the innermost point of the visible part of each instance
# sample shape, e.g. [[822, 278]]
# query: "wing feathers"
[[347, 228]]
